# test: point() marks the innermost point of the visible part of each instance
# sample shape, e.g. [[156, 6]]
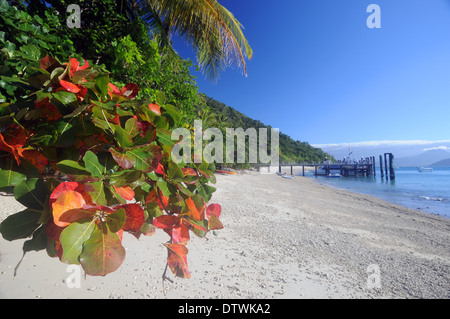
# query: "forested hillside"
[[291, 151]]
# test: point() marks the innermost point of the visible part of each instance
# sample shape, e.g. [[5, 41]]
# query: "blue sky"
[[320, 75]]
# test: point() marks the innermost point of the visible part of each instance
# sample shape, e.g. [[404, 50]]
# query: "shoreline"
[[409, 204], [282, 239]]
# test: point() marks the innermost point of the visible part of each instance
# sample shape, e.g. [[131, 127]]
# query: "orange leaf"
[[70, 186], [12, 141], [194, 213], [67, 201], [187, 171], [36, 158], [155, 108], [176, 259], [152, 197], [126, 192]]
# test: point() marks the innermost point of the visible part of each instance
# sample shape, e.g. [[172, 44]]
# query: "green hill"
[[291, 151]]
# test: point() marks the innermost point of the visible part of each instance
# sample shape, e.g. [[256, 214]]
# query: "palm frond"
[[213, 31]]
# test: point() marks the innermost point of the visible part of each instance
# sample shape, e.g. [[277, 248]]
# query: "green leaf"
[[97, 192], [20, 225], [165, 137], [65, 97], [131, 127], [103, 252], [173, 112], [124, 160], [122, 137], [116, 220], [72, 168], [101, 85], [174, 171], [72, 239], [32, 193], [93, 165], [124, 178], [11, 178], [146, 158]]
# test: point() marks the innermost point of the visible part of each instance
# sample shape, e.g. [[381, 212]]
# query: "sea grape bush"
[[89, 161]]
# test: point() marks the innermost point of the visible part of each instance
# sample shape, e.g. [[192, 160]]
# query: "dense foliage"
[[89, 160], [114, 35], [290, 151]]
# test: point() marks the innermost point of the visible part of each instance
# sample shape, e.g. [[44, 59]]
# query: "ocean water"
[[428, 192]]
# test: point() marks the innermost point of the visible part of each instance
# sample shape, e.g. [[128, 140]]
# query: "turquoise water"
[[428, 192]]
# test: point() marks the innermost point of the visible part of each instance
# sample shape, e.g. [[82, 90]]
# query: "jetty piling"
[[365, 167]]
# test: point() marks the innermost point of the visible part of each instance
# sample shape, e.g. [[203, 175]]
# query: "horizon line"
[[380, 143]]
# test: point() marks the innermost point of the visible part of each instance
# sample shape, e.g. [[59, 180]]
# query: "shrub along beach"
[[107, 190], [282, 239]]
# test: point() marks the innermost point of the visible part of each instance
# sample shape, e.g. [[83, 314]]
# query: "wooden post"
[[391, 167], [381, 167], [386, 166], [292, 170], [279, 169], [374, 166], [315, 169], [303, 170], [356, 170]]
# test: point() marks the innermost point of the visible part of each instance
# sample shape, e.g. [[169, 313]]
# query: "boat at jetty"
[[425, 169]]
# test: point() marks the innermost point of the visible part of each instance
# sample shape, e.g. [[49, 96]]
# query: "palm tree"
[[213, 31]]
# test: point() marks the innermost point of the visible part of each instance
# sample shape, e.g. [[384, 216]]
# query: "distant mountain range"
[[407, 153], [445, 162], [428, 158]]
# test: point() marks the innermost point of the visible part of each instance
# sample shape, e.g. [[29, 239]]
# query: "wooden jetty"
[[363, 168]]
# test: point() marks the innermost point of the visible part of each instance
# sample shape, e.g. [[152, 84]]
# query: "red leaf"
[[130, 90], [180, 233], [176, 259], [113, 89], [135, 217], [160, 170], [75, 66], [165, 221], [53, 231], [213, 213], [213, 209], [126, 192], [48, 110], [70, 87], [48, 63]]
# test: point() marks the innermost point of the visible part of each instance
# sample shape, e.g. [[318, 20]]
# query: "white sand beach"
[[283, 238]]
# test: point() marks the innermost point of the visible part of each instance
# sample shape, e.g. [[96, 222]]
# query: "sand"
[[283, 238]]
